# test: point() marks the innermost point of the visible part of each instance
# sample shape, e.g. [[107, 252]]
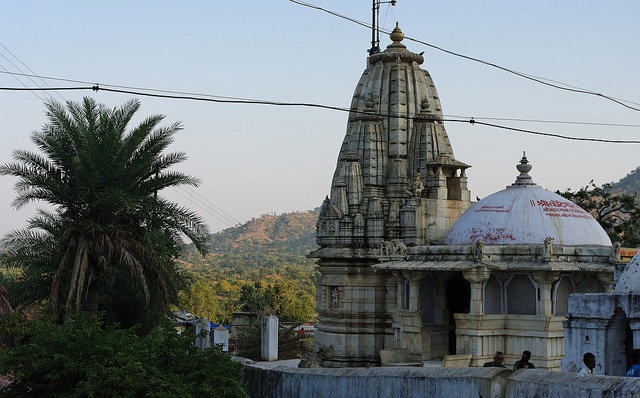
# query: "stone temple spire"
[[395, 139], [396, 185]]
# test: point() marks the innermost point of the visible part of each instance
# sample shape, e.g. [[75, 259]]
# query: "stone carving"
[[548, 248], [615, 252], [331, 228], [394, 247], [335, 297], [417, 186], [477, 255]]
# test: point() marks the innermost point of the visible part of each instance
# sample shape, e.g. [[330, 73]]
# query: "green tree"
[[86, 358], [253, 297], [111, 240], [201, 300], [281, 297], [617, 213]]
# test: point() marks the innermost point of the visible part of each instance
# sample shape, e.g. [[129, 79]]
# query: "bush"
[[86, 358]]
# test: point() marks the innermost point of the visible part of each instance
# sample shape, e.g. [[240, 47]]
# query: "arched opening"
[[406, 294], [616, 342], [458, 300], [591, 284], [522, 295], [492, 296], [563, 288], [428, 297]]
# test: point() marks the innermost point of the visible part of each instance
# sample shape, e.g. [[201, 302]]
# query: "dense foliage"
[[110, 241], [261, 263], [86, 358], [618, 213]]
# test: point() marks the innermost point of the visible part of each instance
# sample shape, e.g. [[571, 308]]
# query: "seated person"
[[498, 358], [524, 363], [634, 370]]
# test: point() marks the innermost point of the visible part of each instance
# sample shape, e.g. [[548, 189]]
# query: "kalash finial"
[[524, 168], [396, 35]]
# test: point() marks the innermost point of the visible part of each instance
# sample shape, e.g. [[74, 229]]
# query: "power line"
[[18, 80], [540, 80], [216, 216], [96, 88], [23, 64], [259, 101], [208, 206], [547, 121], [602, 140]]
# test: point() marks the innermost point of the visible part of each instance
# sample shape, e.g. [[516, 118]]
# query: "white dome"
[[629, 281], [524, 213]]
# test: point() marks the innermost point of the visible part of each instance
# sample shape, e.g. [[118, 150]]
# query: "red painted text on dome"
[[559, 208], [553, 203], [492, 209]]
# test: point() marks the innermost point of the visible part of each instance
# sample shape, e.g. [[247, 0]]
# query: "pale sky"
[[257, 159]]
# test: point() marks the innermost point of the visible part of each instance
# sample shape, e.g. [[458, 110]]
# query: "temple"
[[407, 260]]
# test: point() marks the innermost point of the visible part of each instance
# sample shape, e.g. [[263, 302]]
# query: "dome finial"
[[396, 35], [524, 168]]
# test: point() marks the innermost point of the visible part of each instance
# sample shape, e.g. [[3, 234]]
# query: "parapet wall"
[[287, 382]]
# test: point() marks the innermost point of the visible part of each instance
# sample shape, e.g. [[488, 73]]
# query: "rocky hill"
[[260, 246]]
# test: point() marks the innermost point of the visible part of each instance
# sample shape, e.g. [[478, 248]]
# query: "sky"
[[263, 159]]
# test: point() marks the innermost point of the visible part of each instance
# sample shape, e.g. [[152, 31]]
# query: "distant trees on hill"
[[261, 263]]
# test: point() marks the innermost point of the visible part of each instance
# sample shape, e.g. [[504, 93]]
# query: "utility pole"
[[375, 25]]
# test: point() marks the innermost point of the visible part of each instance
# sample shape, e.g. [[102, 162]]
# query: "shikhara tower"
[[401, 266], [397, 184]]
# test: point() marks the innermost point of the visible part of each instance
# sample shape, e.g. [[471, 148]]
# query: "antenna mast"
[[375, 27]]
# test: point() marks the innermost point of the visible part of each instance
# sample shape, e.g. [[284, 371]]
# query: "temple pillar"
[[414, 289], [545, 281], [476, 277]]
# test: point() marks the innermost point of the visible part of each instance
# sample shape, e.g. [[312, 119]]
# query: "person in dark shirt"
[[524, 363], [498, 358], [634, 370]]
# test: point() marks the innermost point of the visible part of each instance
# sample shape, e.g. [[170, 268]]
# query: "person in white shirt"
[[589, 364]]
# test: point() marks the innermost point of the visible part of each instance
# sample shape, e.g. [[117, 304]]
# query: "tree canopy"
[[617, 213], [86, 358], [110, 242]]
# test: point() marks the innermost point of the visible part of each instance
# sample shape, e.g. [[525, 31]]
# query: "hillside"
[[261, 246], [628, 184]]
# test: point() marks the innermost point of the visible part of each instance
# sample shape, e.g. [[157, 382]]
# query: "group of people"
[[588, 359], [523, 363]]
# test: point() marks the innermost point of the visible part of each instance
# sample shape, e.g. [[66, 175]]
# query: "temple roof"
[[525, 213]]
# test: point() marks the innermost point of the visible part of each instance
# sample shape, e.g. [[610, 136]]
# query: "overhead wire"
[[540, 80], [19, 81], [259, 101], [217, 99], [208, 206], [30, 70]]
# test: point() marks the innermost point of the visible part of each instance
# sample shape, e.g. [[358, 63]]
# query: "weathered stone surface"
[[284, 382]]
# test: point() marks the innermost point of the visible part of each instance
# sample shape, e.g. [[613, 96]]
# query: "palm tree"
[[110, 242]]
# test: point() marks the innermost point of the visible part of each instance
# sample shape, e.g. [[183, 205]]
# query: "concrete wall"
[[287, 382]]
